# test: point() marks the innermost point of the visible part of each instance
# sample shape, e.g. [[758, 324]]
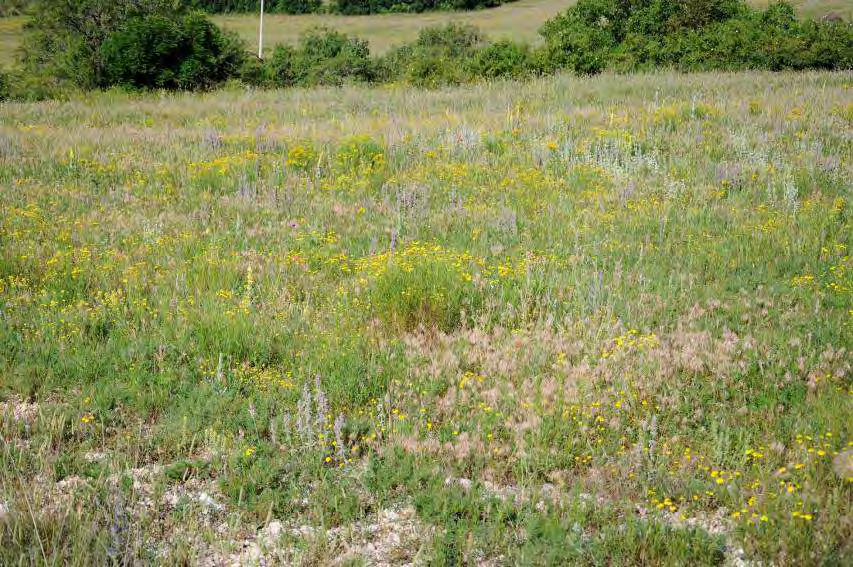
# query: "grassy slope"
[[518, 20], [11, 31], [657, 292]]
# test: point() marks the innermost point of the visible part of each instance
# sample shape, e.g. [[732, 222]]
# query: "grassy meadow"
[[600, 321]]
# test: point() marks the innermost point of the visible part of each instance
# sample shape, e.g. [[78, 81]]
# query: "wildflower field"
[[595, 321]]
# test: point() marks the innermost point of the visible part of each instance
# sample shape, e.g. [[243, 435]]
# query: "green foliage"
[[694, 35], [502, 59], [583, 37], [4, 85], [148, 43], [65, 36], [323, 57], [441, 55], [25, 86], [453, 40], [254, 71], [280, 67], [158, 51], [426, 292], [772, 40]]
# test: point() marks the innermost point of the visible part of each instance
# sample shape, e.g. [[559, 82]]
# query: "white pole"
[[261, 34]]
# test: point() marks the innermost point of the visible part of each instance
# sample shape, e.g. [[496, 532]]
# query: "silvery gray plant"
[[312, 413], [339, 438], [304, 420]]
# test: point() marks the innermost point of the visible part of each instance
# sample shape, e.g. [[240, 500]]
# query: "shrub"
[[323, 57], [280, 66], [63, 38], [21, 85], [361, 7], [453, 40], [502, 59], [772, 40], [4, 85], [157, 51], [255, 72], [440, 55], [423, 291], [829, 44], [691, 35], [584, 37]]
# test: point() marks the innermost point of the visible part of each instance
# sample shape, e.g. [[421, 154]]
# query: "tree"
[[142, 43], [64, 37]]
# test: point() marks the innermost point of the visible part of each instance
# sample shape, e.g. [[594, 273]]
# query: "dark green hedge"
[[323, 57], [628, 35], [142, 44], [163, 52]]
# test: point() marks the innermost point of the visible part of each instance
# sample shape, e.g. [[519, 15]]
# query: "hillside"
[[518, 20]]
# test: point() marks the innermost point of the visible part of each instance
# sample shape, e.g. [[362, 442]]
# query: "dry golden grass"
[[816, 8], [11, 31], [519, 21]]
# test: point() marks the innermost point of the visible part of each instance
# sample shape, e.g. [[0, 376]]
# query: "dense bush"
[[64, 37], [772, 40], [692, 35], [22, 85], [440, 55], [502, 59], [254, 71], [323, 57], [158, 51], [271, 6], [145, 43]]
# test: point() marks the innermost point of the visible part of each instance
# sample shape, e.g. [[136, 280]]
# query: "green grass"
[[590, 321], [11, 33], [817, 8]]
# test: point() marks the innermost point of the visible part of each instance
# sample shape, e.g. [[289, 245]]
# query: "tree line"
[[161, 44]]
